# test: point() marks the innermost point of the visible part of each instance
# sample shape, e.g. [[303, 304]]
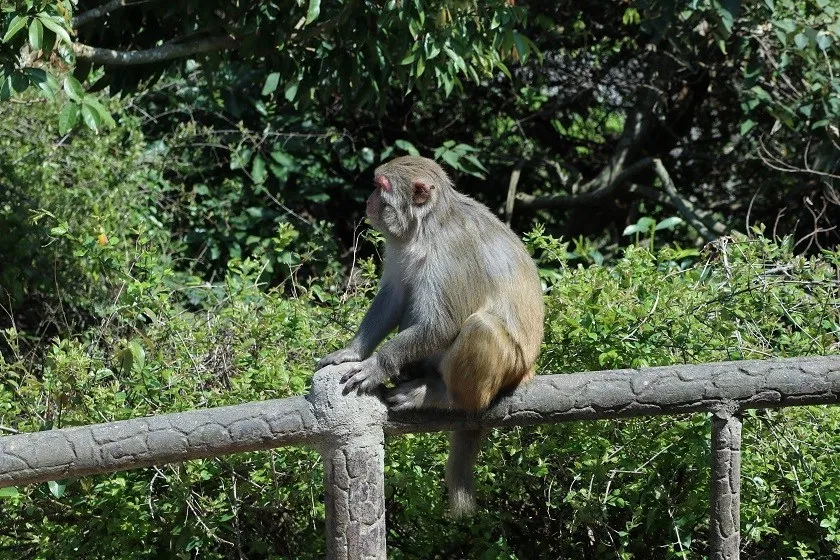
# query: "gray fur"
[[448, 259]]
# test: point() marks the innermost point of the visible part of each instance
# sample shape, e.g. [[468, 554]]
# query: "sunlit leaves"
[[313, 11], [36, 34], [57, 488], [407, 147], [73, 88], [56, 26], [461, 157], [417, 46], [17, 23], [68, 117], [271, 82], [793, 69]]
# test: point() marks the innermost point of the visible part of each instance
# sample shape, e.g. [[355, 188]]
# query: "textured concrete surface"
[[325, 417], [647, 392], [349, 431], [129, 444], [354, 467], [725, 514], [318, 419]]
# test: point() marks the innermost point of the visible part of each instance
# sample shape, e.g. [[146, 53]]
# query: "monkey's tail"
[[460, 478]]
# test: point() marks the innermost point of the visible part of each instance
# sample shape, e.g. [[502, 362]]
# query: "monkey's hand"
[[365, 376], [344, 355]]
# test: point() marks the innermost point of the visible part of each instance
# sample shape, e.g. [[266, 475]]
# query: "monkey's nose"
[[383, 182]]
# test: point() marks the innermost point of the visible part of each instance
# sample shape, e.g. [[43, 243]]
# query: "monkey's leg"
[[481, 362], [464, 446]]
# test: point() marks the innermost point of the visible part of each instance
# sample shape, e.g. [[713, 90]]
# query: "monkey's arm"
[[382, 318], [411, 344]]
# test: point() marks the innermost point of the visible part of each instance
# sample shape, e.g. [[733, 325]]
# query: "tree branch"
[[511, 195], [682, 204], [586, 198], [707, 226], [162, 53], [636, 126], [104, 9]]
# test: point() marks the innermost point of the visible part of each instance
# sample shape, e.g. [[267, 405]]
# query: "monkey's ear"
[[421, 192]]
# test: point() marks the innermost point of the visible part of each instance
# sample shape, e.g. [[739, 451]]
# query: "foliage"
[[745, 116], [198, 242], [368, 46], [162, 340], [51, 282]]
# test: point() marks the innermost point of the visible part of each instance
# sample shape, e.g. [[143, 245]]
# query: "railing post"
[[354, 468], [354, 481], [725, 515]]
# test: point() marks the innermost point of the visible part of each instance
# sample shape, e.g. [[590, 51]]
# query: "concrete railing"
[[349, 432]]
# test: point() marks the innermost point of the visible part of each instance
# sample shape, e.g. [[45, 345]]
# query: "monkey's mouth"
[[372, 216], [373, 209]]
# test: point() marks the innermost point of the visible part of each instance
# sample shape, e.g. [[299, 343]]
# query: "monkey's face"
[[386, 209], [406, 189], [374, 208]]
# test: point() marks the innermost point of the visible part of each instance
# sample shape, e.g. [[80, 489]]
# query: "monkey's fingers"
[[338, 357], [327, 361], [331, 360], [351, 373], [353, 383]]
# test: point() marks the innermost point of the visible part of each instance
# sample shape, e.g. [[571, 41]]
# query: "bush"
[[122, 329]]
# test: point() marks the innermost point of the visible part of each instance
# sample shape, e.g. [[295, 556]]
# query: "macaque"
[[466, 298]]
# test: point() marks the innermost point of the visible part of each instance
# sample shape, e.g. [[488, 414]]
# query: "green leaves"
[[649, 225], [271, 82], [316, 46], [407, 146], [68, 117], [90, 117], [55, 25], [36, 34], [43, 80], [94, 114], [131, 358], [291, 91], [645, 224], [669, 223], [42, 29], [17, 23], [73, 89], [805, 44], [57, 488], [461, 157], [36, 24], [313, 11]]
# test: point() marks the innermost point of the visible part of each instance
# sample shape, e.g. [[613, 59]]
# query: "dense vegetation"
[[180, 227]]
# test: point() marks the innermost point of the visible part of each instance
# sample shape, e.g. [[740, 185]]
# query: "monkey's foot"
[[419, 393], [407, 396]]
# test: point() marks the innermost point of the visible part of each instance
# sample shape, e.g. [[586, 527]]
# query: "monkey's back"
[[490, 270]]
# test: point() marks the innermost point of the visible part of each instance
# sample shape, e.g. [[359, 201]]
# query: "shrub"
[[101, 331]]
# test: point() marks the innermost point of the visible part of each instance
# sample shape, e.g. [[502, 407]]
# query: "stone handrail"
[[349, 433]]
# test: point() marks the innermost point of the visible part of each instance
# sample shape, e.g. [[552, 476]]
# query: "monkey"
[[466, 299]]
